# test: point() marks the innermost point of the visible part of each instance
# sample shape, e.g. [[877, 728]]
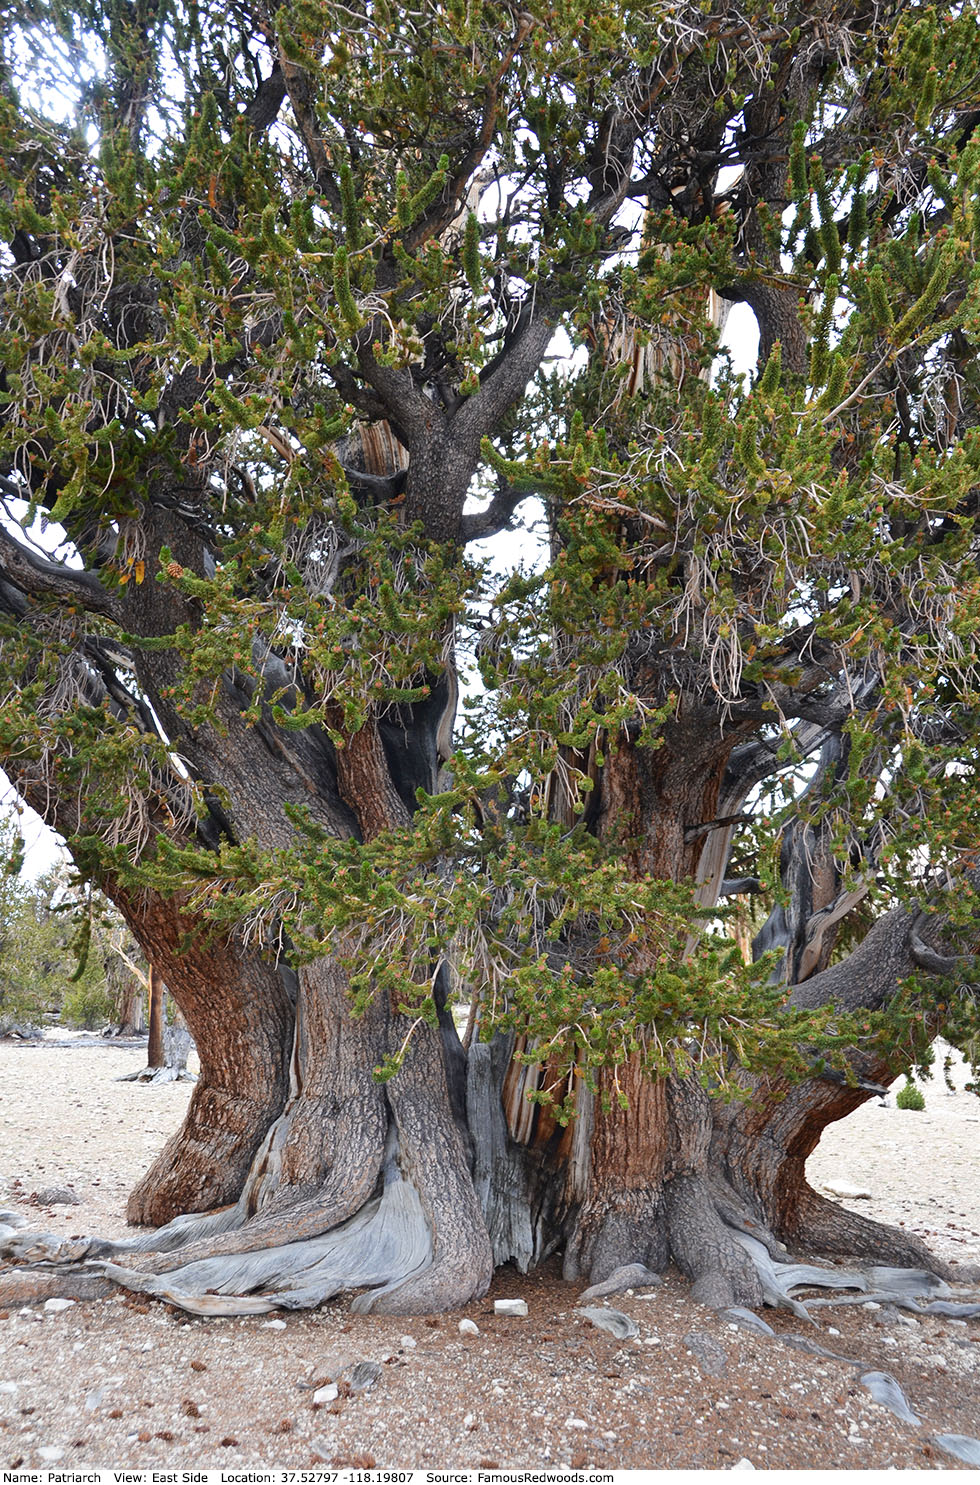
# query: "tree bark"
[[154, 1052]]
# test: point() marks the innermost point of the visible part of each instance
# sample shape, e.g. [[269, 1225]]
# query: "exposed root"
[[626, 1227], [823, 1226], [707, 1251], [159, 1075], [384, 1246], [21, 1286], [205, 1163]]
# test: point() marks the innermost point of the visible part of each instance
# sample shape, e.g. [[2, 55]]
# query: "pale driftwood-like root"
[[385, 1244]]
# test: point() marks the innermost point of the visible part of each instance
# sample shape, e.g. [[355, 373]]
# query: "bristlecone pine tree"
[[286, 306]]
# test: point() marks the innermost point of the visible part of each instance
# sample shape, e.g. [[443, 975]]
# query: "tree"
[[279, 298], [46, 971]]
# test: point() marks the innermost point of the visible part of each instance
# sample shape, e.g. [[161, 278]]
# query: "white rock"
[[273, 1325], [846, 1190], [8, 1387], [744, 1464], [510, 1307], [469, 1422], [870, 1304], [55, 1306], [326, 1394], [50, 1454], [408, 1343], [468, 1327], [576, 1423]]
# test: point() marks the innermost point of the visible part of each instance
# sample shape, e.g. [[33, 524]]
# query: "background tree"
[[274, 302]]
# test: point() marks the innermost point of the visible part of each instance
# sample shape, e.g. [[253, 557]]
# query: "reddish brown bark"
[[154, 1051], [238, 1012]]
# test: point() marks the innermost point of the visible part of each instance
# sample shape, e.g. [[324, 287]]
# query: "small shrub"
[[910, 1097]]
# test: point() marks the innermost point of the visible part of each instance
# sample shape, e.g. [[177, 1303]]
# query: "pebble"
[[364, 1376], [870, 1304], [55, 1306], [468, 1327], [8, 1387], [326, 1394], [51, 1196], [510, 1307], [709, 1355], [50, 1454], [408, 1342], [576, 1423], [849, 1192], [273, 1325], [744, 1464]]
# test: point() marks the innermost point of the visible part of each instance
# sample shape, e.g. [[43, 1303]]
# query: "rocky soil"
[[120, 1383]]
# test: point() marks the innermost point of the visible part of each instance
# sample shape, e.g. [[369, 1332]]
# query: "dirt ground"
[[120, 1383]]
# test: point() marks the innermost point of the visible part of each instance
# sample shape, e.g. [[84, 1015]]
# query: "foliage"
[[204, 321], [56, 947], [910, 1097]]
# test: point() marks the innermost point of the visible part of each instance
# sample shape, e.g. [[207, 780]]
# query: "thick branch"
[[496, 517], [43, 578]]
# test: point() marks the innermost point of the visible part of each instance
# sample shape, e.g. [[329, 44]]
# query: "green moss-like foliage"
[[910, 1097]]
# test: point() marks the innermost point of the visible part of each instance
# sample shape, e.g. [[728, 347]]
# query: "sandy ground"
[[122, 1383]]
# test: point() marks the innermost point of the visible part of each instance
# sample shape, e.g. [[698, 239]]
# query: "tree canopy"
[[297, 310]]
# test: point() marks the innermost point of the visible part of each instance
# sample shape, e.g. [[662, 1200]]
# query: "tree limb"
[[496, 517], [43, 578]]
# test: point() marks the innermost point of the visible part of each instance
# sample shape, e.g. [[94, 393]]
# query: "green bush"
[[910, 1097], [88, 1005]]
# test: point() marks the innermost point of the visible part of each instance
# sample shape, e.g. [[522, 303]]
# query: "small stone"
[[469, 1422], [273, 1325], [327, 1394], [55, 1306], [847, 1191], [364, 1376], [709, 1355], [8, 1388], [468, 1327], [408, 1342], [744, 1464], [510, 1307], [870, 1304], [52, 1196], [50, 1454], [576, 1423]]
